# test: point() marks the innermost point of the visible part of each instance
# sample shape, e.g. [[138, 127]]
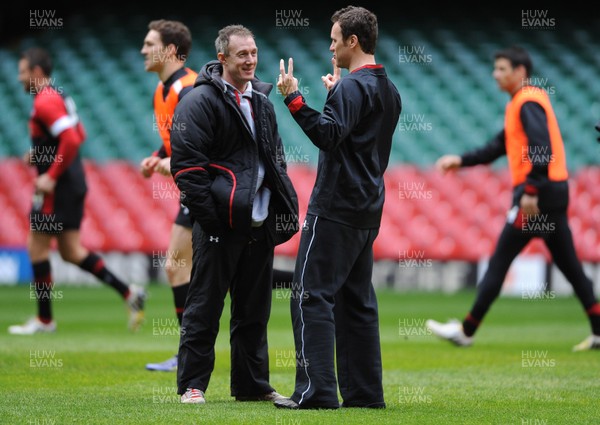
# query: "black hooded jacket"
[[215, 158]]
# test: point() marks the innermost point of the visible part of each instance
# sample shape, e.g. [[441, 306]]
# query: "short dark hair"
[[37, 56], [360, 22], [225, 33], [174, 32], [516, 55]]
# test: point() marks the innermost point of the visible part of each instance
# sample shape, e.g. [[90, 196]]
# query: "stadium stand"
[[450, 103]]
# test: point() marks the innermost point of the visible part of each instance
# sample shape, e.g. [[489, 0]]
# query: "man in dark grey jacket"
[[226, 162]]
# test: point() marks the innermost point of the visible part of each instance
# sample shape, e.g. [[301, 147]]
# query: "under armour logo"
[[214, 239], [305, 225]]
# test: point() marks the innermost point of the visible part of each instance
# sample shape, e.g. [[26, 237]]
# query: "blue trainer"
[[166, 366]]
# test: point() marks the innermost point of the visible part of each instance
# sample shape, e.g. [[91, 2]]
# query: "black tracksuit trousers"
[[554, 229], [334, 310], [242, 265]]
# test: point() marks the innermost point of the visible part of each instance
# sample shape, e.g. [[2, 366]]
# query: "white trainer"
[[592, 342], [32, 326], [451, 331], [193, 396], [135, 305]]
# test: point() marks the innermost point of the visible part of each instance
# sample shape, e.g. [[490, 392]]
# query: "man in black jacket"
[[225, 161], [334, 303]]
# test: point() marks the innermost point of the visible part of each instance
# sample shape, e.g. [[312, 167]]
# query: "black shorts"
[[183, 217], [57, 212]]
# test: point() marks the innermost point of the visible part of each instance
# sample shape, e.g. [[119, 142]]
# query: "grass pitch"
[[91, 371]]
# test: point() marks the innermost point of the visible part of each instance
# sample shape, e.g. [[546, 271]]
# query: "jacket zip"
[[230, 102]]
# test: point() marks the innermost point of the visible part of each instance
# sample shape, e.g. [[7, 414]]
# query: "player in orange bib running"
[[533, 144]]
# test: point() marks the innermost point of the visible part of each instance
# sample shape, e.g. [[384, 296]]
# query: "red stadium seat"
[[14, 225], [454, 216], [537, 247]]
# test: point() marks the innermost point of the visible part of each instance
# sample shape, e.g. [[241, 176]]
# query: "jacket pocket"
[[223, 191]]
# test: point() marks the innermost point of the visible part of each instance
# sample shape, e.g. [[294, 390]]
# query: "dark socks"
[[43, 289], [95, 265], [470, 325], [179, 296], [594, 315]]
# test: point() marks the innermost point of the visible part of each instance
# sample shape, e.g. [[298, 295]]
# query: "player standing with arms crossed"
[[166, 48], [335, 257], [60, 189]]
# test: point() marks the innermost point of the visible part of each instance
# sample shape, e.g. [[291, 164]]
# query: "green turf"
[[519, 371]]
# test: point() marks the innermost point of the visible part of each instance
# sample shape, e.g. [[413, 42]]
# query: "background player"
[[166, 48], [60, 189], [532, 141]]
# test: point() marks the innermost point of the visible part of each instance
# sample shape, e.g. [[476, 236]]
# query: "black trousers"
[[243, 266], [334, 309], [554, 229]]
